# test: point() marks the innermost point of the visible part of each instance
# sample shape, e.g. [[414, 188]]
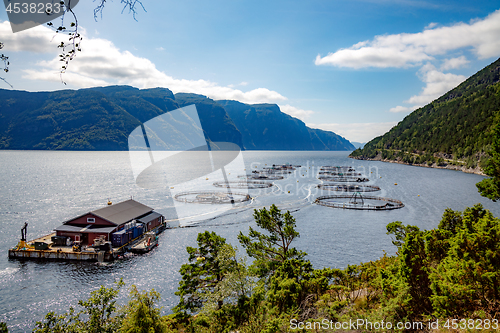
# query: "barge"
[[101, 235]]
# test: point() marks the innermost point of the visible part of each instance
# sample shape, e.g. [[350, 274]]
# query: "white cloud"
[[39, 39], [357, 132], [431, 25], [403, 50], [102, 63], [295, 112], [454, 63], [437, 83], [400, 108]]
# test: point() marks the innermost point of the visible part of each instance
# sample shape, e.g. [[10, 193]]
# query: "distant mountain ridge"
[[272, 129], [101, 118], [454, 131]]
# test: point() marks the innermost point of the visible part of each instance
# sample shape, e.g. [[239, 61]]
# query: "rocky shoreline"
[[477, 170]]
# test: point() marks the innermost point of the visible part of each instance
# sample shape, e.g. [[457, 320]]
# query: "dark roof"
[[122, 212], [149, 218], [84, 230]]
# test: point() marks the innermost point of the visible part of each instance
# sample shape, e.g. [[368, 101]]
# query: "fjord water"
[[46, 188]]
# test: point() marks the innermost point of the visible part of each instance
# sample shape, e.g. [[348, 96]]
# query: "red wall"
[[83, 221], [153, 224]]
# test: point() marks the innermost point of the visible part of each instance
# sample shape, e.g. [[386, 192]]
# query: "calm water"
[[46, 188]]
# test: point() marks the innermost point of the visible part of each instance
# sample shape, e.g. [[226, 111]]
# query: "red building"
[[105, 221]]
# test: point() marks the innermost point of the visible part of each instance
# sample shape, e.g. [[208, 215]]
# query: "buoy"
[[418, 195], [297, 181], [288, 191], [171, 187], [109, 202], [395, 183], [207, 178]]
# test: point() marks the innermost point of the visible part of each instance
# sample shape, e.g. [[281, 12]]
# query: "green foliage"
[[141, 313], [99, 315], [3, 328], [203, 273], [273, 248], [490, 187], [468, 278], [400, 231]]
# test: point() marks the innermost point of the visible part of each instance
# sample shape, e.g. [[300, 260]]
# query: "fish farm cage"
[[343, 179], [282, 167], [340, 173], [273, 171], [261, 176], [245, 184], [337, 168], [211, 197], [349, 188], [359, 202]]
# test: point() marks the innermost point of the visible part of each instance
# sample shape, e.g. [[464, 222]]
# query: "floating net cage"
[[340, 173], [211, 197], [343, 179], [282, 167], [359, 202], [273, 171], [245, 184], [342, 168], [262, 176], [349, 188]]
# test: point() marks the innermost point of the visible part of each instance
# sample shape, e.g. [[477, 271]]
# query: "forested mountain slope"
[[454, 129]]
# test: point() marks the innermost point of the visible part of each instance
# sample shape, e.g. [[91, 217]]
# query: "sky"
[[355, 67]]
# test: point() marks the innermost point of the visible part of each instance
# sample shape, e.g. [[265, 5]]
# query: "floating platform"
[[359, 202], [244, 184], [28, 250], [343, 179], [349, 188], [261, 176], [340, 173], [211, 197]]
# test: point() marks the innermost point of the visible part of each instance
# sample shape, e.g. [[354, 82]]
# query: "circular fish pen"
[[340, 168], [211, 197], [359, 202], [343, 179], [348, 188], [339, 173], [244, 184], [273, 171], [261, 176]]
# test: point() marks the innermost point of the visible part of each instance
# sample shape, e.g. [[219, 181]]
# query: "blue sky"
[[356, 67]]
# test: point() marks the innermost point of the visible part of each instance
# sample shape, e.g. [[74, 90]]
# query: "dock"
[[27, 250]]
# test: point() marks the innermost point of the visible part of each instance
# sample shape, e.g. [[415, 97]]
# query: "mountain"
[[102, 118], [358, 144], [265, 127], [454, 131]]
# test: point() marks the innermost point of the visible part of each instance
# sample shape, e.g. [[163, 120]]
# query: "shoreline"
[[477, 170]]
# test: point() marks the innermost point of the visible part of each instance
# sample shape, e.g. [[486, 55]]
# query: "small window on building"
[[90, 220]]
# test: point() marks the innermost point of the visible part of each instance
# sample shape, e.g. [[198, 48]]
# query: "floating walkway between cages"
[[211, 197], [244, 184], [349, 188], [359, 202], [343, 179]]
